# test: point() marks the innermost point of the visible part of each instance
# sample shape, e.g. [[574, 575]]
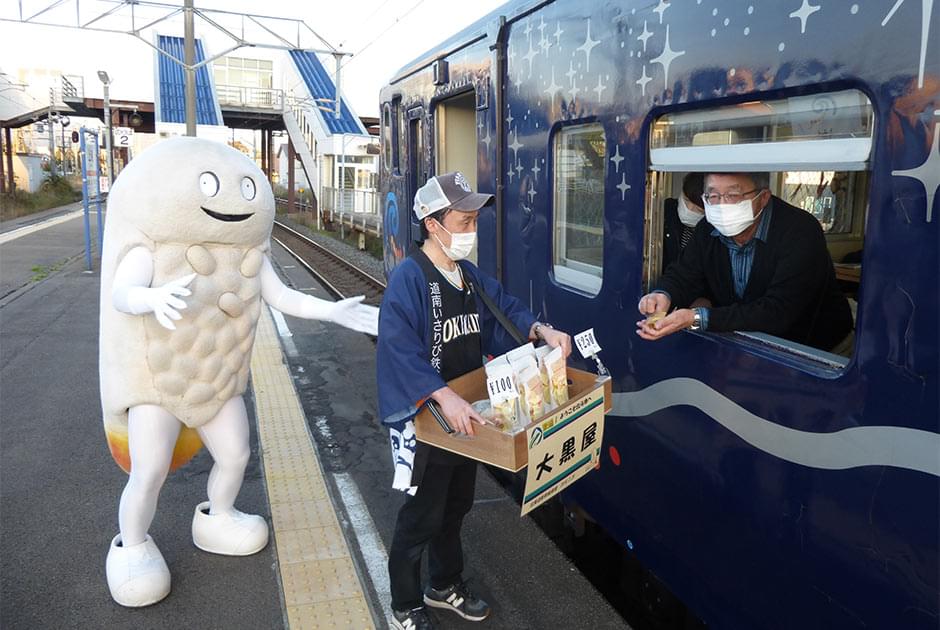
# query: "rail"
[[340, 277], [364, 222]]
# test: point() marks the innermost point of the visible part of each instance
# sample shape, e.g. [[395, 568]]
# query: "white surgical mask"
[[687, 216], [461, 244], [730, 219]]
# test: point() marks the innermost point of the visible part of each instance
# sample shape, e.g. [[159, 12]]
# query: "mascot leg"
[[217, 526], [137, 573]]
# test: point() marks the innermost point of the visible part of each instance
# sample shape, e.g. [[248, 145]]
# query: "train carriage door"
[[417, 160], [455, 139]]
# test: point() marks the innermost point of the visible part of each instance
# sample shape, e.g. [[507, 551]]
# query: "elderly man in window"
[[762, 263]]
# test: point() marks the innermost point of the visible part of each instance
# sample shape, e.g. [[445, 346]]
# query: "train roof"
[[476, 31]]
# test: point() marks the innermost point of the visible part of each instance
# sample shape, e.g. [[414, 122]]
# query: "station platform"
[[320, 472]]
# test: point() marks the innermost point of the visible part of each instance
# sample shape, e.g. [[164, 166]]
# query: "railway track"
[[340, 277]]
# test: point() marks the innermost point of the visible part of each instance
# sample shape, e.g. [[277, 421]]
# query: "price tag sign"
[[587, 343], [501, 388]]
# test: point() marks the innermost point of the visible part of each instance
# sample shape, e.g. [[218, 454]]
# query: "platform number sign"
[[123, 137]]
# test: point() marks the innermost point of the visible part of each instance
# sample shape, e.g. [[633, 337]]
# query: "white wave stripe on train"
[[900, 447]]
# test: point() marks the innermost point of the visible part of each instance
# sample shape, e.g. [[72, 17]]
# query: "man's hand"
[[351, 313], [652, 303], [458, 412], [674, 322], [163, 301], [556, 339]]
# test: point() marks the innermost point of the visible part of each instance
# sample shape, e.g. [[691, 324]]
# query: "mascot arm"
[[132, 293], [350, 313]]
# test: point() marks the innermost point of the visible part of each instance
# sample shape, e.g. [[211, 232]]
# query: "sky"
[[383, 36]]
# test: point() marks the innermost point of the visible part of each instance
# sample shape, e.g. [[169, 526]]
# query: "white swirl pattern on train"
[[900, 447]]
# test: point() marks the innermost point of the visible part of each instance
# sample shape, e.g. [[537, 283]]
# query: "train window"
[[387, 136], [816, 150], [578, 241]]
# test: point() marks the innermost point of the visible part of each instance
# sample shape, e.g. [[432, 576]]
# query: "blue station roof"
[[320, 85], [172, 85]]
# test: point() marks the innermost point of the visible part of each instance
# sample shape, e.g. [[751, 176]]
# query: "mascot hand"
[[351, 313], [161, 301]]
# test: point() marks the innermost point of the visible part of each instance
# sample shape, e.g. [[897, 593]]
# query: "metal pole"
[[189, 58], [52, 168], [342, 174], [3, 176], [98, 197], [83, 161], [291, 195], [11, 185], [339, 92], [107, 135]]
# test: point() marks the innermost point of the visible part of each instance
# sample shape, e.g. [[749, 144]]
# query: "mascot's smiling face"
[[190, 190]]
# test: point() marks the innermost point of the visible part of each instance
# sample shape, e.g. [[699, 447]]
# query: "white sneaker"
[[230, 534], [137, 575]]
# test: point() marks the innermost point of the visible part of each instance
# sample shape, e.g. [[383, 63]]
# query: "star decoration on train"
[[600, 87], [588, 46], [617, 159], [666, 57], [575, 90], [557, 33], [623, 187], [926, 8], [806, 9], [487, 139], [519, 169], [645, 35], [643, 80], [552, 87], [571, 72], [661, 8], [535, 169], [531, 193], [515, 145], [928, 173], [530, 56]]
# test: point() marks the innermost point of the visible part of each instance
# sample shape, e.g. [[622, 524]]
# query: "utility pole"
[[189, 58], [52, 168]]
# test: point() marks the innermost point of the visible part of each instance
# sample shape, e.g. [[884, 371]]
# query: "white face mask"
[[461, 244], [687, 216], [730, 219]]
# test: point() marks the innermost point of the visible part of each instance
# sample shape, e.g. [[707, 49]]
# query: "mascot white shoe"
[[184, 272]]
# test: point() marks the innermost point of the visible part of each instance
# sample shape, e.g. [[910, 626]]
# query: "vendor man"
[[433, 327]]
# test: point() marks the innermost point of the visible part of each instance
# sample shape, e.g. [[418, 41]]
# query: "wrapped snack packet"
[[522, 351], [554, 363], [530, 392], [501, 387], [540, 353]]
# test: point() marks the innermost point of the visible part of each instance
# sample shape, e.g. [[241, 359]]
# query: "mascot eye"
[[209, 184], [248, 188]]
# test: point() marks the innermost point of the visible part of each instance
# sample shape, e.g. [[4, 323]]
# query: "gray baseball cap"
[[450, 190]]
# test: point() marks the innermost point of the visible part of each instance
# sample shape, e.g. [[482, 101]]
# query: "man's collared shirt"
[[742, 256]]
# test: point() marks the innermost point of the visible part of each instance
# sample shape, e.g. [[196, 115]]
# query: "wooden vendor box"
[[510, 452]]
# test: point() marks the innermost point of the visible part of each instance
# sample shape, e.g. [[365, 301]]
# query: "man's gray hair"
[[761, 180]]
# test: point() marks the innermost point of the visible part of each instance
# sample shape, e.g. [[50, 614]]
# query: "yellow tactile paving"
[[321, 586]]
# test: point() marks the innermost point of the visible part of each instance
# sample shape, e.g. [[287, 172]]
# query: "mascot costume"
[[185, 269]]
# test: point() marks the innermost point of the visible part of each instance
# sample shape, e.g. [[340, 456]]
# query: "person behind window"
[[761, 262], [680, 216]]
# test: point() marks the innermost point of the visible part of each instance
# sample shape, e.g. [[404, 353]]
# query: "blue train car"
[[766, 483]]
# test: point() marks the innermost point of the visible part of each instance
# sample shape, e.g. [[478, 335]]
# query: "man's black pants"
[[432, 518]]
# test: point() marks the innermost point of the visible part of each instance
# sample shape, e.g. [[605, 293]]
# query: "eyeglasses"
[[732, 197]]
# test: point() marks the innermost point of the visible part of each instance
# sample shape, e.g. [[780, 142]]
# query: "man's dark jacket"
[[792, 290]]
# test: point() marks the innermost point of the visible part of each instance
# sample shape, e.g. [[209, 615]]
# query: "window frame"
[[820, 363], [575, 275]]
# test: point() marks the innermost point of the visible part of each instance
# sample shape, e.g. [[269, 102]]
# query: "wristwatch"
[[696, 319], [539, 326]]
